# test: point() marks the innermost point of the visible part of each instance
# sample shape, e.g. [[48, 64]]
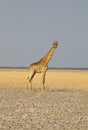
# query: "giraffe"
[[41, 66]]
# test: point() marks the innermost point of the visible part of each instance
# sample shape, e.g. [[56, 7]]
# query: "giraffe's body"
[[41, 66]]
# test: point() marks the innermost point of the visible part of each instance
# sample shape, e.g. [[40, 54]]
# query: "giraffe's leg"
[[30, 77], [43, 80]]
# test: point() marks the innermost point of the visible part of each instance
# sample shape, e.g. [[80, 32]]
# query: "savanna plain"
[[63, 105]]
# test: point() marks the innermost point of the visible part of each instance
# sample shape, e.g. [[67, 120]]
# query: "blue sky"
[[28, 28]]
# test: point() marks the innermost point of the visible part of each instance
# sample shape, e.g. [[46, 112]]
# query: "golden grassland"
[[63, 105], [55, 79]]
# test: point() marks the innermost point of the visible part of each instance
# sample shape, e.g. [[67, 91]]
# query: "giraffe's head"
[[55, 44]]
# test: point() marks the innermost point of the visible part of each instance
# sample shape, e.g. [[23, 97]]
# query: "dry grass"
[[57, 79], [62, 106]]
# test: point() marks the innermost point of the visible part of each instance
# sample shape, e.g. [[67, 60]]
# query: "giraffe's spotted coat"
[[41, 66]]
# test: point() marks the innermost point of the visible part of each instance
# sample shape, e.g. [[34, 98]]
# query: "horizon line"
[[24, 67]]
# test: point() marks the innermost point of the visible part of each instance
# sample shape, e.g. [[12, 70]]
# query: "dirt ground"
[[63, 105]]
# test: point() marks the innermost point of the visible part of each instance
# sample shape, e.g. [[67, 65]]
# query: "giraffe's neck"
[[48, 56]]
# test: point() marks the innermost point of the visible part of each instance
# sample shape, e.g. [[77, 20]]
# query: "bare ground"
[[53, 109]]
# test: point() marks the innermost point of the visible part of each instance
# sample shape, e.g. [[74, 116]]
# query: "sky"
[[29, 27]]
